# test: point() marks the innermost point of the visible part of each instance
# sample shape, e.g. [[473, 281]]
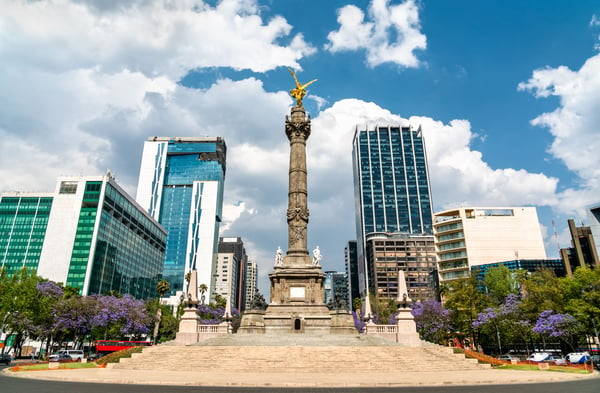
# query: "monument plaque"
[[297, 293]]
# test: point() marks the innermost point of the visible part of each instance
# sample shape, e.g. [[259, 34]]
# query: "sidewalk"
[[283, 379]]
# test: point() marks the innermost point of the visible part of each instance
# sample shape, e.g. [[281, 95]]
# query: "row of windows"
[[449, 227], [461, 264], [451, 236], [450, 246], [453, 255]]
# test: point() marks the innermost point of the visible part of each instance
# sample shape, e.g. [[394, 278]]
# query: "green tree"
[[582, 298], [168, 326], [465, 301], [383, 307], [203, 288], [541, 291], [19, 306], [162, 287], [499, 283]]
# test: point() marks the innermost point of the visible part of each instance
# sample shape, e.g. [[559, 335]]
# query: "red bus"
[[103, 347]]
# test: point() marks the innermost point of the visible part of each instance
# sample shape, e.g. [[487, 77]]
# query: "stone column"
[[297, 129]]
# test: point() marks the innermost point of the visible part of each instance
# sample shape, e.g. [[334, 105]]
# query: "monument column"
[[297, 301], [297, 129]]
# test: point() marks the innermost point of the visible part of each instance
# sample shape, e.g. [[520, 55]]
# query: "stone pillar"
[[297, 129]]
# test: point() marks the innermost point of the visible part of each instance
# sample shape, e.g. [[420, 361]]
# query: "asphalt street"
[[24, 385]]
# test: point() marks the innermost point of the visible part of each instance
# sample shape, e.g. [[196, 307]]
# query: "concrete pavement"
[[283, 379]]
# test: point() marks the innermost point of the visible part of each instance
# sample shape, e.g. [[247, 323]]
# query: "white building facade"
[[472, 236]]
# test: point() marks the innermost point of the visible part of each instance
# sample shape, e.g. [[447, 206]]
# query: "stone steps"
[[302, 354]]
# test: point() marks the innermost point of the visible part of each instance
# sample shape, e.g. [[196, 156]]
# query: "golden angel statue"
[[300, 90]]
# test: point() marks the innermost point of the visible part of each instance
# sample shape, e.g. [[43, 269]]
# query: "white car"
[[558, 360], [578, 357], [538, 357]]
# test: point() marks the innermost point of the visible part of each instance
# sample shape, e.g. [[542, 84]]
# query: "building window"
[[68, 187]]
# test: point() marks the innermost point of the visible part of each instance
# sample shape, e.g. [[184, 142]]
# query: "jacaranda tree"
[[433, 320]]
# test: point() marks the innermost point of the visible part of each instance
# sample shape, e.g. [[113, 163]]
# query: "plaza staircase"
[[298, 353]]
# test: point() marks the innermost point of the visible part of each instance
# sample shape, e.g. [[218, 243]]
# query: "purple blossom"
[[486, 316], [511, 305], [211, 315], [49, 289], [432, 320], [358, 321], [555, 325]]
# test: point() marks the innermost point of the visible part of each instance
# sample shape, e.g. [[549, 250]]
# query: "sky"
[[507, 94]]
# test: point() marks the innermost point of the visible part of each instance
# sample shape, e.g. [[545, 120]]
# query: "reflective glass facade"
[[530, 265], [172, 187], [23, 222], [392, 181], [88, 234], [392, 193], [129, 248]]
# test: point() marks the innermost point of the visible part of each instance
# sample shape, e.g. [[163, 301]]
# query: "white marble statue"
[[317, 256], [279, 257]]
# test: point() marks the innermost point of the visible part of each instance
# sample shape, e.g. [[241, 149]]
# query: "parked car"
[[558, 360], [508, 358], [579, 357], [60, 357], [5, 358], [538, 357], [75, 354], [596, 361], [92, 357]]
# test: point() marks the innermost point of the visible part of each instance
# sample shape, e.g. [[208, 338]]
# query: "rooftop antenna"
[[555, 235]]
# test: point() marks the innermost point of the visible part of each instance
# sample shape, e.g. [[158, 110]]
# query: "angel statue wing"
[[299, 91]]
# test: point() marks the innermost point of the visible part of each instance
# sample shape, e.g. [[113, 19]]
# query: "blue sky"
[[507, 93]]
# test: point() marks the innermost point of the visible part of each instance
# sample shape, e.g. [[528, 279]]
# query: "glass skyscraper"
[[89, 234], [392, 195], [23, 222], [181, 185]]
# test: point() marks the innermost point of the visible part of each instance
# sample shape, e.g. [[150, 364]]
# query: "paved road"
[[25, 385]]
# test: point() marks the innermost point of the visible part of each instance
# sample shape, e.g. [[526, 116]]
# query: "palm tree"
[[162, 287], [203, 288]]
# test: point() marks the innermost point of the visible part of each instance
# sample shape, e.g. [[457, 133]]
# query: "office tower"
[[593, 213], [351, 263], [181, 185], [88, 234], [251, 284], [583, 250], [472, 236], [336, 290], [23, 223], [413, 254], [393, 202], [231, 266]]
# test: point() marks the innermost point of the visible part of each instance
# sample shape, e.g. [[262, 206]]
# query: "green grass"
[[44, 366], [534, 367]]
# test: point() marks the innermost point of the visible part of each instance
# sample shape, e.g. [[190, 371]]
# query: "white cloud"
[[573, 124], [458, 173], [390, 35], [158, 37], [85, 83]]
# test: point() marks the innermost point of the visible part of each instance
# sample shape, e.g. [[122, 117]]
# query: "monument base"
[[289, 318], [188, 327], [297, 304], [407, 329], [252, 322]]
